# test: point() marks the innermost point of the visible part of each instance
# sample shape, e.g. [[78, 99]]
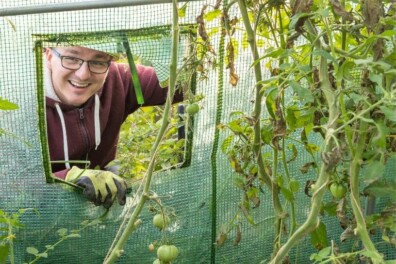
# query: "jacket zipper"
[[84, 129]]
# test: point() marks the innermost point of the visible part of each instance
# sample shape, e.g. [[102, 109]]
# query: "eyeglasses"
[[73, 63]]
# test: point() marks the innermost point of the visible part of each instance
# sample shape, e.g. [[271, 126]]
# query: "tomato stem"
[[132, 222], [273, 186]]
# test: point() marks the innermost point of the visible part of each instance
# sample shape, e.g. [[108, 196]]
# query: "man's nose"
[[84, 72]]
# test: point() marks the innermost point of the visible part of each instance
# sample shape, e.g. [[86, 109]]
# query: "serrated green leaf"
[[381, 188], [389, 113], [294, 185], [319, 237], [226, 143], [324, 252], [287, 194], [373, 171], [62, 232], [303, 93], [330, 208]]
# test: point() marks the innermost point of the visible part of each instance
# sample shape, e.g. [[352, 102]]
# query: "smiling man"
[[88, 97]]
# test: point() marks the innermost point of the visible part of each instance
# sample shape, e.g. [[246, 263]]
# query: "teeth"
[[80, 85]]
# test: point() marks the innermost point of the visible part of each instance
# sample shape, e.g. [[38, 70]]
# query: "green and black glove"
[[100, 187]]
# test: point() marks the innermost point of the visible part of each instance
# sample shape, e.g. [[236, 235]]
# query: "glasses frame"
[[81, 62]]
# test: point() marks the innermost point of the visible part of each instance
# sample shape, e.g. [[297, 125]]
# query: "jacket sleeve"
[[61, 174]]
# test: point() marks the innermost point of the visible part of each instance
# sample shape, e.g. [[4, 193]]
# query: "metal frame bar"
[[84, 5]]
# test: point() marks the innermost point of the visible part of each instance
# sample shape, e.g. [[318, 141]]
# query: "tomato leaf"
[[303, 93], [209, 16], [32, 250], [288, 194], [381, 188], [374, 171], [62, 232], [182, 10], [389, 113], [319, 237]]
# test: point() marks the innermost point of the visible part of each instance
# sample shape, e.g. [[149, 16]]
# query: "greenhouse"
[[204, 131]]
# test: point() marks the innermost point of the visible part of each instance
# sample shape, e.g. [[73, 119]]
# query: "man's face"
[[75, 87]]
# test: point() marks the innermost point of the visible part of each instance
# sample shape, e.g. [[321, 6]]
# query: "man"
[[88, 97]]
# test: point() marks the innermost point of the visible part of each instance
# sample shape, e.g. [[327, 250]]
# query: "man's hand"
[[100, 187]]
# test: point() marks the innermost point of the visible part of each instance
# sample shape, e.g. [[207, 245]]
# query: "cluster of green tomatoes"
[[165, 253]]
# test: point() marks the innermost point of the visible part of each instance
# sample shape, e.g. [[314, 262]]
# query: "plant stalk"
[[11, 243], [273, 187], [354, 173], [313, 220], [132, 223]]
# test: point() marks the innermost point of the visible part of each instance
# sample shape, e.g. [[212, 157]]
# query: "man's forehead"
[[77, 50]]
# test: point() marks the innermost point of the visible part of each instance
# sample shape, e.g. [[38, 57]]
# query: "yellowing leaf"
[[7, 105], [212, 15], [182, 10]]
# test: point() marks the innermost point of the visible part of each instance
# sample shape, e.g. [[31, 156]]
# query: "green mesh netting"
[[188, 190]]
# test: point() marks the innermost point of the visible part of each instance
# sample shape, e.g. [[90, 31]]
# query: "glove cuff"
[[73, 174]]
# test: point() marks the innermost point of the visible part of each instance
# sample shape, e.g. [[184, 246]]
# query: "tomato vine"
[[333, 74]]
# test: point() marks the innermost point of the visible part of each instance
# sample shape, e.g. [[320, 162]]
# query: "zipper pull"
[[81, 113]]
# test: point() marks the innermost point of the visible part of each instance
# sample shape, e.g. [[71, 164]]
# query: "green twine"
[[135, 77]]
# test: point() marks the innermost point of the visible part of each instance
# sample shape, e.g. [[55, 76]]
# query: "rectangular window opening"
[[150, 47]]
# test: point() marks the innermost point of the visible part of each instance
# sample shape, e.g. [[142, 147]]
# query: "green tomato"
[[157, 261], [167, 253], [338, 190], [160, 221], [192, 109]]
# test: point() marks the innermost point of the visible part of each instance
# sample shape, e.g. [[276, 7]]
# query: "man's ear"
[[47, 57]]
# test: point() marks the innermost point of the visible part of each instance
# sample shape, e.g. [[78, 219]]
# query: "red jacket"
[[117, 101]]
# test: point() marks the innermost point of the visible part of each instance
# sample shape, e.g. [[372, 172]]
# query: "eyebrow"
[[96, 56]]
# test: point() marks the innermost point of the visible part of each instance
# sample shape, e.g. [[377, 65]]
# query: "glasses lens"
[[98, 66], [71, 63]]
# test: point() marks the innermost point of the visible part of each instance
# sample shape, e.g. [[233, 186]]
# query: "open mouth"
[[79, 85]]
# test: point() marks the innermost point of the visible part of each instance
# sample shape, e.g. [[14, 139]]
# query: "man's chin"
[[76, 102]]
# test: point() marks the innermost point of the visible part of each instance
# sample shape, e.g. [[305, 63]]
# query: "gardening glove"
[[100, 187]]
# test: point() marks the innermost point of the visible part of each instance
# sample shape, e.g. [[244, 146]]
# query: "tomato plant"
[[137, 136], [327, 92]]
